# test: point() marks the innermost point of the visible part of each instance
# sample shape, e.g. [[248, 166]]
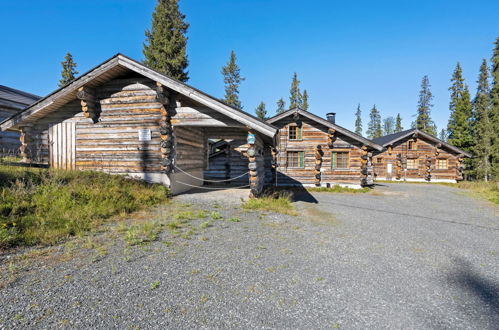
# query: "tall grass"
[[487, 190], [279, 202], [39, 206]]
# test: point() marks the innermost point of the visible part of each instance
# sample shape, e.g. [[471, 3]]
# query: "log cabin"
[[414, 155], [12, 101], [122, 117], [313, 151]]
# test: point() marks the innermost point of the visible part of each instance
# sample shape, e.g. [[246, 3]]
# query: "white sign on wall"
[[144, 134]]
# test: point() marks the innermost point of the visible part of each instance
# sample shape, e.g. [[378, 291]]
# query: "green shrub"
[[47, 206]]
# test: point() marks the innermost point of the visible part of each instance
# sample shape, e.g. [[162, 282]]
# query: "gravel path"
[[405, 256]]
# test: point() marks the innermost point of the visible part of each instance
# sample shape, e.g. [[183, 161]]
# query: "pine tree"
[[260, 111], [68, 72], [388, 125], [295, 97], [232, 80], [374, 125], [304, 105], [423, 119], [483, 128], [460, 126], [165, 45], [494, 111], [398, 124], [358, 121], [281, 106], [443, 135]]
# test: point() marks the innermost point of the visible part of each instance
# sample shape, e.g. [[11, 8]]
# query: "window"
[[294, 133], [441, 164], [339, 160], [295, 159], [412, 163], [379, 160], [412, 145]]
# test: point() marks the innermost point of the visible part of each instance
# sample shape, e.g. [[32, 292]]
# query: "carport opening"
[[225, 162]]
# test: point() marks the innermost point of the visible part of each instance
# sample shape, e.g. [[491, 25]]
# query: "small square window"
[[294, 133], [412, 145], [339, 160], [379, 160], [295, 159], [412, 163], [442, 164]]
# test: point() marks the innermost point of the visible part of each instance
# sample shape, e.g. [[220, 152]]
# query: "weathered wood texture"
[[313, 135], [230, 163], [425, 154], [9, 141]]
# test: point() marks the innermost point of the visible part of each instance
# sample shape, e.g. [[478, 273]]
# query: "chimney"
[[331, 117]]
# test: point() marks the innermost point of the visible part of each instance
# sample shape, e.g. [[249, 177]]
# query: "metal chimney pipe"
[[331, 117]]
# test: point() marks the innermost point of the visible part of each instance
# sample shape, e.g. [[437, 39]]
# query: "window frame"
[[411, 145], [379, 160], [416, 164], [298, 133], [438, 164], [334, 160], [300, 158]]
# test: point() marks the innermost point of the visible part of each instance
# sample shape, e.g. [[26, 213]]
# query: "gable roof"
[[326, 123], [15, 99], [395, 137], [112, 68]]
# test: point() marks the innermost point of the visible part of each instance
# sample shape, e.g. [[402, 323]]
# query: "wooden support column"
[[460, 168], [398, 167], [318, 164], [25, 140], [274, 152], [366, 170], [256, 164], [227, 163], [89, 103], [428, 168], [165, 127], [331, 137]]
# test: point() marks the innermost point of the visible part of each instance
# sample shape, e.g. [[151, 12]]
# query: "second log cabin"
[[313, 151]]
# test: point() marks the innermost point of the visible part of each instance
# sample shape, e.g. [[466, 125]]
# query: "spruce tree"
[[281, 106], [295, 97], [423, 119], [374, 126], [68, 72], [494, 111], [398, 124], [232, 80], [260, 111], [443, 135], [459, 128], [304, 105], [483, 129], [388, 125], [358, 121], [165, 45]]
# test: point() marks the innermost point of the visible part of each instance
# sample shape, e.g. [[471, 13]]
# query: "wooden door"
[[389, 168], [62, 145]]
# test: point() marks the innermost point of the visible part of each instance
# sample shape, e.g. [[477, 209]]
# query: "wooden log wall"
[[314, 134], [9, 140], [230, 164], [426, 153], [189, 148], [256, 164]]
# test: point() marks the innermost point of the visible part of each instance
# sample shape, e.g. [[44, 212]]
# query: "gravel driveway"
[[404, 256]]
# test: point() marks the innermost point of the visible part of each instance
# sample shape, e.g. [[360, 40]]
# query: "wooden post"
[[167, 144], [398, 171], [366, 169], [89, 103], [331, 137], [256, 165], [428, 168], [318, 163], [274, 163], [25, 139], [460, 168]]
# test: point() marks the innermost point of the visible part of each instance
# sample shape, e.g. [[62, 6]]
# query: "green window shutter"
[[301, 159], [333, 160], [298, 131]]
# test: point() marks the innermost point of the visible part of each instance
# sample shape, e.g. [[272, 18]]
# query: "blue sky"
[[345, 52]]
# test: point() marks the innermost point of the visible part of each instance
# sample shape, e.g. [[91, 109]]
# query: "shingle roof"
[[16, 98], [391, 137]]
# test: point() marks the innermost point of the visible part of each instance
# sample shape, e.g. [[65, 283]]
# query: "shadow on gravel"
[[470, 281]]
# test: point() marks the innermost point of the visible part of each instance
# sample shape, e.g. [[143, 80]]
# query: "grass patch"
[[486, 190], [278, 202], [215, 215], [339, 189], [40, 206]]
